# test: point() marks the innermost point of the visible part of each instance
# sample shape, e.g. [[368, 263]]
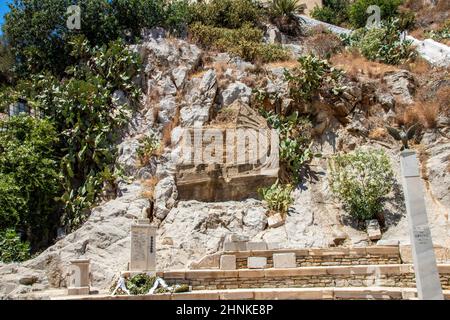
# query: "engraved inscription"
[[422, 235]]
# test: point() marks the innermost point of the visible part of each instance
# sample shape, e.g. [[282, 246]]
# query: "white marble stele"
[[143, 247], [425, 267]]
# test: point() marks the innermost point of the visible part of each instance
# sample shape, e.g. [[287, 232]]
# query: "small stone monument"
[[425, 268], [79, 278], [143, 246]]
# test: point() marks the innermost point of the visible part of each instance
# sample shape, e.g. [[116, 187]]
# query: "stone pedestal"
[[143, 247], [425, 268], [78, 283]]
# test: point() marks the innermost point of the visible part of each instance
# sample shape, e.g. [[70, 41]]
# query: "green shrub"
[[87, 118], [6, 63], [133, 15], [179, 288], [385, 44], [286, 8], [357, 10], [150, 146], [361, 180], [37, 31], [140, 284], [295, 143], [332, 11], [12, 203], [283, 15], [178, 15], [231, 14], [442, 33], [407, 20], [310, 76], [278, 197], [12, 249], [244, 42], [29, 179]]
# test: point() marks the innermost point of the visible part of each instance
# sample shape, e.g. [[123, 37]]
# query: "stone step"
[[241, 255], [304, 257], [319, 293], [390, 275]]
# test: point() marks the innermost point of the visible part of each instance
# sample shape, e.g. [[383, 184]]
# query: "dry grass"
[[353, 63], [424, 155], [249, 81], [197, 74], [427, 110], [428, 113], [155, 113], [149, 187], [153, 96], [378, 134], [166, 140], [442, 99], [419, 66], [323, 43], [428, 16], [288, 64], [424, 112]]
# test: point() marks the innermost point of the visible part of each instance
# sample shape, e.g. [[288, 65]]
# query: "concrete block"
[[251, 246], [389, 242], [228, 262], [257, 262], [235, 246], [273, 245], [80, 291], [284, 260]]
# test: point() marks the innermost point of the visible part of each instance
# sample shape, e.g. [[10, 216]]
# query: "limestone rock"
[[165, 197], [156, 33], [128, 155], [256, 218], [167, 109], [179, 75], [339, 237], [236, 91], [402, 85], [197, 228], [437, 167], [386, 99], [275, 221], [199, 100], [273, 35]]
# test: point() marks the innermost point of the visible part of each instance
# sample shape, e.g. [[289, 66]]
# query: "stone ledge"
[[387, 269], [273, 293]]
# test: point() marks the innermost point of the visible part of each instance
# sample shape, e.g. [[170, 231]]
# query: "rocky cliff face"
[[186, 88]]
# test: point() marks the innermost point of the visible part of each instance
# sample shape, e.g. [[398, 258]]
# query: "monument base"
[[81, 291]]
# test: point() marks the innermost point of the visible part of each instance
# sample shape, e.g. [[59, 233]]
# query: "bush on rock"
[[361, 180]]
